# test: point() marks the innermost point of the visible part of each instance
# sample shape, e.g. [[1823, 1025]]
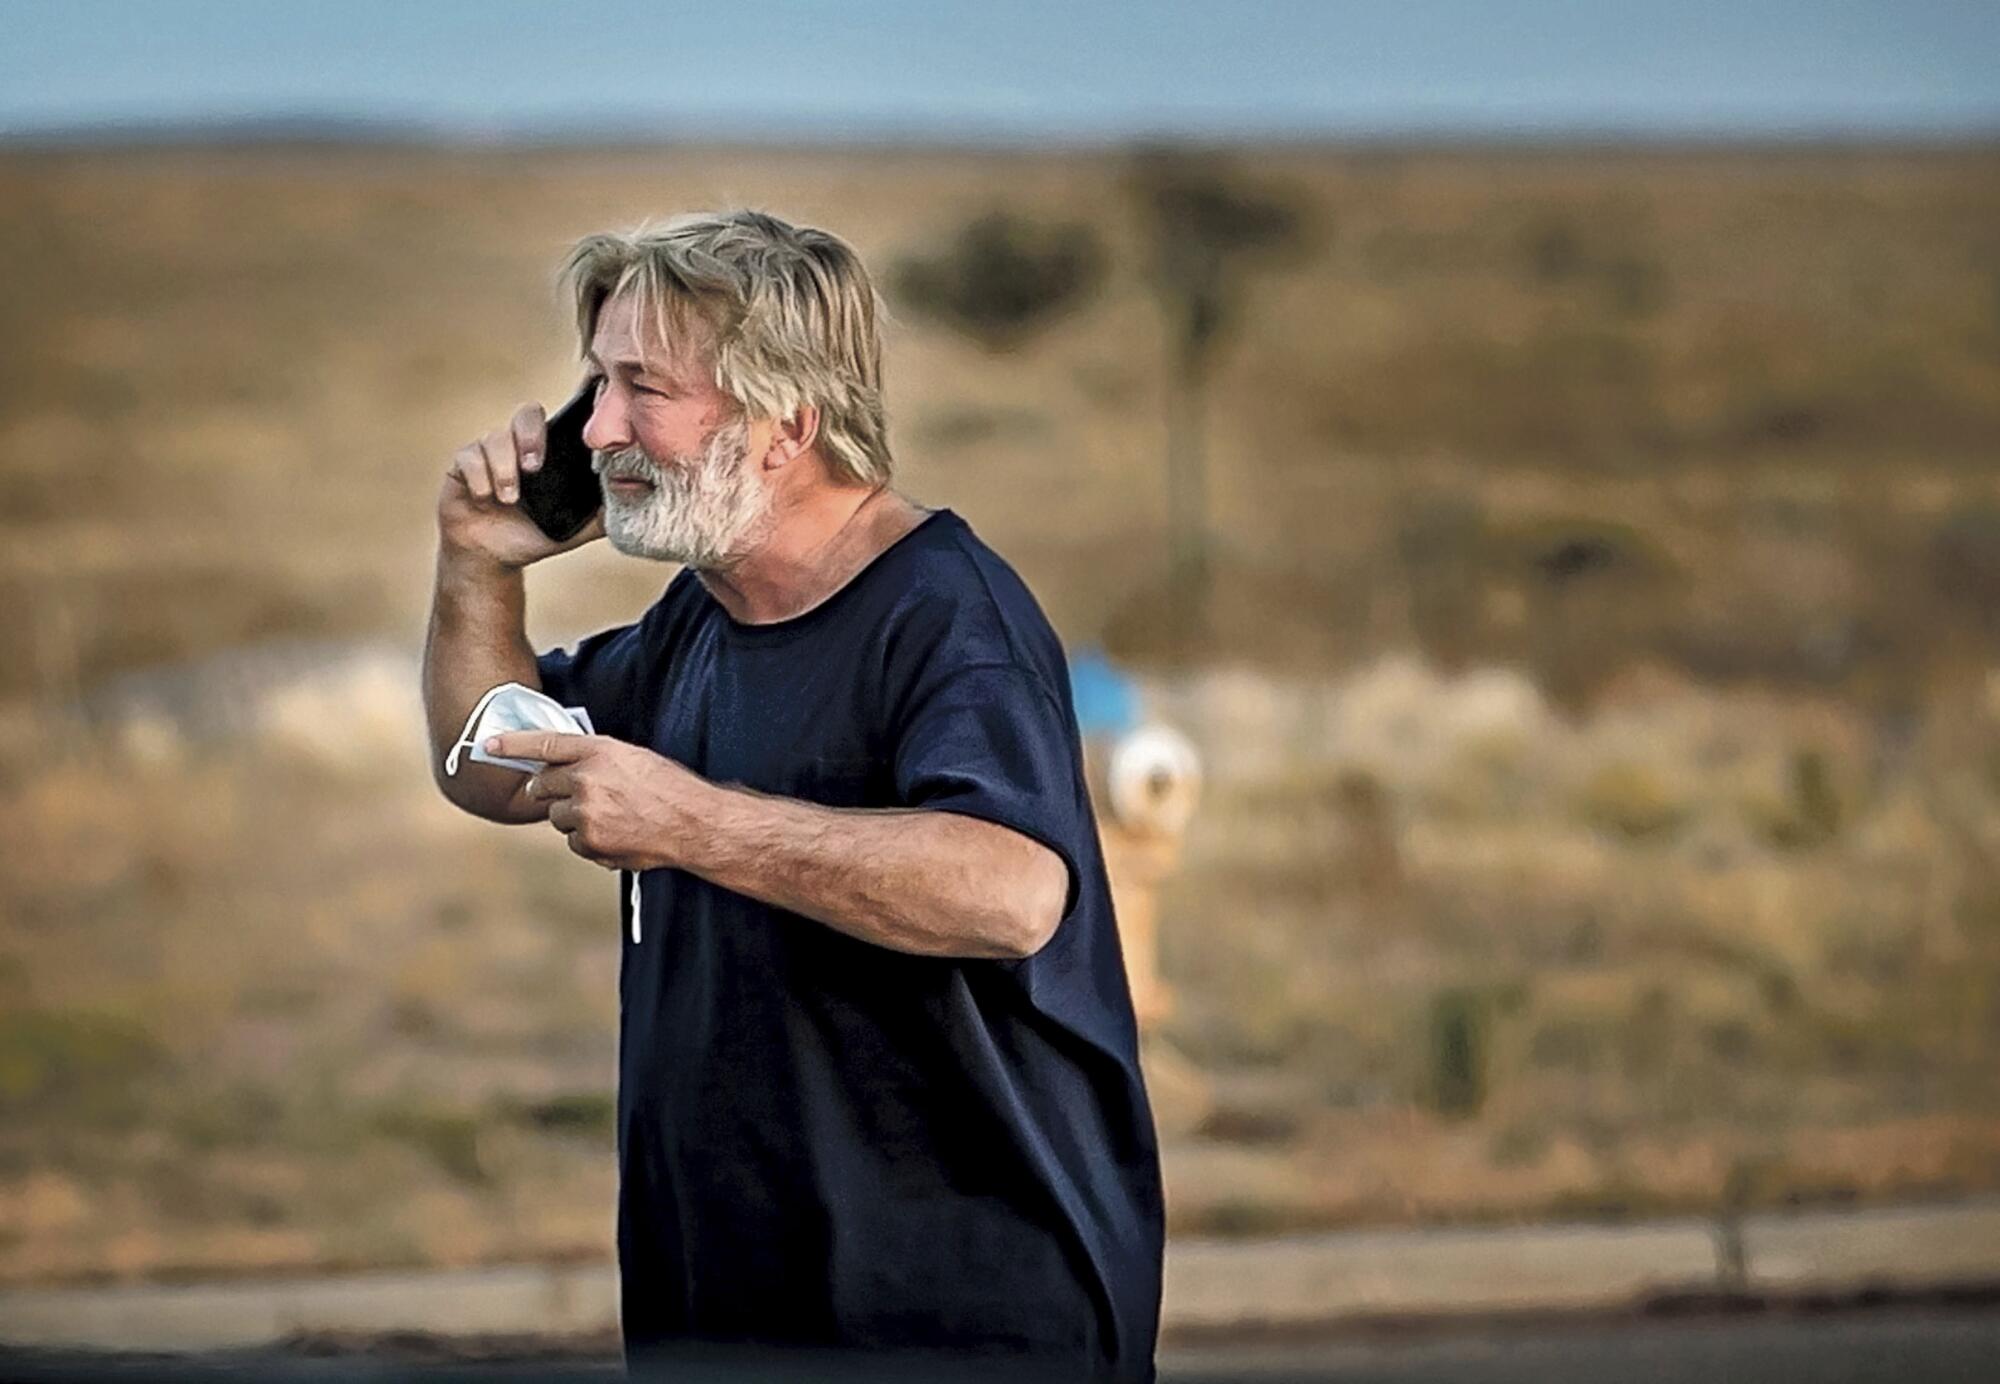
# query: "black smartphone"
[[563, 493]]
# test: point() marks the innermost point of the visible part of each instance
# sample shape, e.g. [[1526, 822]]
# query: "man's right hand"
[[479, 511]]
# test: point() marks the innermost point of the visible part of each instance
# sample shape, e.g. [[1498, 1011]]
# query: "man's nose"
[[608, 427]]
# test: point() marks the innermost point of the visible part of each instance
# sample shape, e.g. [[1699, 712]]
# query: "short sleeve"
[[991, 742], [602, 674]]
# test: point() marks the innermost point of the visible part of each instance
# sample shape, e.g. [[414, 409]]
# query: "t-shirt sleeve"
[[991, 742], [602, 674]]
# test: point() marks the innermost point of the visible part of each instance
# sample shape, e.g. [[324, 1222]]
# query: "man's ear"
[[791, 437]]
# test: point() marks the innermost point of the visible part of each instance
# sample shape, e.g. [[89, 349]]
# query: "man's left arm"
[[934, 883]]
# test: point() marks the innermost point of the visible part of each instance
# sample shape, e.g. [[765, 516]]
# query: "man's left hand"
[[617, 804]]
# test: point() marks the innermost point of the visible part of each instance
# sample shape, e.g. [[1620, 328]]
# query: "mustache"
[[626, 464]]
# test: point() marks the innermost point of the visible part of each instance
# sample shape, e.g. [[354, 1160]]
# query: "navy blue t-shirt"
[[827, 1143]]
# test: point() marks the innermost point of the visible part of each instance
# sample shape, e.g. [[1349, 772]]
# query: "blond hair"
[[788, 312]]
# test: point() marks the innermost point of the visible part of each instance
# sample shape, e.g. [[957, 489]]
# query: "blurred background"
[[1542, 457]]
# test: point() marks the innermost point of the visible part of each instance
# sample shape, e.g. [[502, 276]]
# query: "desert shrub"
[[573, 1112], [1560, 551], [1646, 1038], [1965, 562], [449, 1137], [1457, 1074], [1813, 793], [1598, 594], [1570, 1043], [1002, 278], [1557, 254], [1631, 801], [1521, 1144], [88, 1065], [1440, 541], [1808, 812], [1553, 250], [232, 1116]]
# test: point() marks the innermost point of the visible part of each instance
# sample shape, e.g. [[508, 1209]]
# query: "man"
[[879, 1085]]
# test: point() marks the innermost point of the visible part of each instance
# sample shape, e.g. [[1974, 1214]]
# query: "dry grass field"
[[1599, 681]]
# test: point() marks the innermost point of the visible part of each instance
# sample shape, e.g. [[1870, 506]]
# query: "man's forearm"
[[929, 882], [477, 640]]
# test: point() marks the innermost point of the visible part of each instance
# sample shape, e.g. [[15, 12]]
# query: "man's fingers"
[[567, 818], [549, 746], [530, 430], [551, 783], [499, 450], [470, 463], [491, 467], [576, 846]]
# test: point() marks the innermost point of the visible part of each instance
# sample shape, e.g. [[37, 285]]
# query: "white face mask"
[[511, 706]]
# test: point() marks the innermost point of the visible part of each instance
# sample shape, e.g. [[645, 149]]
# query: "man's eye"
[[648, 389]]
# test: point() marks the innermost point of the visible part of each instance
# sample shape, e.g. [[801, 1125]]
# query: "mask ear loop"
[[465, 737]]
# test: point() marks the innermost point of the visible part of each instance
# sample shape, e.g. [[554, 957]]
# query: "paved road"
[[1213, 1286], [1894, 1346], [1266, 1298]]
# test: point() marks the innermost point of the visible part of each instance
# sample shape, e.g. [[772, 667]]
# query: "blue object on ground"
[[1107, 701]]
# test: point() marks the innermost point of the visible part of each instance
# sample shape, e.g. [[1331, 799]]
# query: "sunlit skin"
[[825, 530], [929, 882]]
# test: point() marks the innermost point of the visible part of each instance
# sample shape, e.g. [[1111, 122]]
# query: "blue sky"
[[1012, 69]]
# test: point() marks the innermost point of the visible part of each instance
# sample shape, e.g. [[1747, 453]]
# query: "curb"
[[1215, 1289]]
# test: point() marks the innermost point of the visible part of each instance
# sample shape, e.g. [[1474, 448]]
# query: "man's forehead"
[[627, 335]]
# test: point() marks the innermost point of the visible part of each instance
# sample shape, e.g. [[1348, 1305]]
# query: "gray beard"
[[706, 511]]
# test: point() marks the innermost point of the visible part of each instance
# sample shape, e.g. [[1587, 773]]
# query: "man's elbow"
[[488, 802], [1039, 895]]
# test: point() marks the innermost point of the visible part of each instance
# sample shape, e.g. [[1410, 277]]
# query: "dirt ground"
[[1595, 680]]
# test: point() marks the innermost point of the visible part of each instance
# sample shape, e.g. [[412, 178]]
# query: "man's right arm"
[[477, 640], [478, 635]]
